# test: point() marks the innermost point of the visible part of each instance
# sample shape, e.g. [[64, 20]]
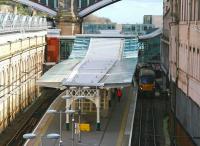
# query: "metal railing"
[[92, 7], [17, 23]]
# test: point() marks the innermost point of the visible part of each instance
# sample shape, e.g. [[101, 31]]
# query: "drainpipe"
[[81, 25], [176, 21], [188, 38]]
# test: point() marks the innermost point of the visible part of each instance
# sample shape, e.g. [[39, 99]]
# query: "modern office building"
[[136, 29], [128, 29], [156, 20], [92, 28]]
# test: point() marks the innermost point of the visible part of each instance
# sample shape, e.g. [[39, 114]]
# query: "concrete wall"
[[20, 66], [173, 52], [188, 118], [184, 59], [188, 113], [188, 60], [157, 21]]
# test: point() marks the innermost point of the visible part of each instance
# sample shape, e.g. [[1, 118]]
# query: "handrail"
[[18, 23], [95, 6]]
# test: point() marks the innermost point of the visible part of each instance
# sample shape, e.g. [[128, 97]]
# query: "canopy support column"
[[67, 114], [98, 126], [109, 98]]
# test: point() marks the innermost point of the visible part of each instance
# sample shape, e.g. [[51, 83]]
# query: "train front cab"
[[146, 82]]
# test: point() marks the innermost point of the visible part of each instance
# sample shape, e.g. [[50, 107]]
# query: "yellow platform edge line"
[[123, 122]]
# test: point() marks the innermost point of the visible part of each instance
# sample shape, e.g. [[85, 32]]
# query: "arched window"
[[2, 83]]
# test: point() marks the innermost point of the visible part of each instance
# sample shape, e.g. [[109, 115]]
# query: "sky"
[[131, 11]]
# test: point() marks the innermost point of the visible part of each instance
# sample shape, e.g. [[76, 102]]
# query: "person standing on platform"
[[119, 94]]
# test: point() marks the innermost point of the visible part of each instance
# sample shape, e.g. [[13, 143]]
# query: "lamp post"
[[60, 115], [79, 115], [29, 136], [66, 97]]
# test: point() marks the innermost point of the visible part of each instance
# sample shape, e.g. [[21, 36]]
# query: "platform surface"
[[113, 127]]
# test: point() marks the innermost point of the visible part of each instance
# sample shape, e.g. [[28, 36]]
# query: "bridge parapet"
[[86, 7], [40, 5], [69, 12], [17, 23], [83, 4]]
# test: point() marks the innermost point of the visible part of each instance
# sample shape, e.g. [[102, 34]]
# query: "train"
[[140, 66], [146, 82]]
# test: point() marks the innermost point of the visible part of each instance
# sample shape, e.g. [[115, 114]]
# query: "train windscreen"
[[147, 79]]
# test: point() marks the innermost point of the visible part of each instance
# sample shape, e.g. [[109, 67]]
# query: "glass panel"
[[65, 49]]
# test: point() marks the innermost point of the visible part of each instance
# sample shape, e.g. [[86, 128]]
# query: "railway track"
[[145, 128], [29, 125]]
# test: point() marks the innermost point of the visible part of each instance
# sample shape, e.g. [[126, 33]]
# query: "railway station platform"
[[115, 130]]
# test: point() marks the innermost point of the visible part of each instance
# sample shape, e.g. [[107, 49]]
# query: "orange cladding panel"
[[53, 49]]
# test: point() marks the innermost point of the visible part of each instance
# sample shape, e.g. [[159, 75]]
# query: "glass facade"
[[51, 3], [43, 2], [84, 3], [150, 50], [136, 29], [80, 48], [147, 19], [65, 48], [89, 28], [130, 48]]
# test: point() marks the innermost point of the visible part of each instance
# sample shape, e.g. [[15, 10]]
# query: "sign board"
[[85, 127]]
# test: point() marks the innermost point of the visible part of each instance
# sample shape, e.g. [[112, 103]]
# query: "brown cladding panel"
[[182, 137]]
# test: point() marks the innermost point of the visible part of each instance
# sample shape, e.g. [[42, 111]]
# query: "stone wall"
[[20, 66]]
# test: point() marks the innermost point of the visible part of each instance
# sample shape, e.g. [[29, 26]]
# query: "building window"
[[198, 10], [190, 7], [185, 10], [194, 11]]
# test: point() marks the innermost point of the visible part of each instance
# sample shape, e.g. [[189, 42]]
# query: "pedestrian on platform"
[[119, 94]]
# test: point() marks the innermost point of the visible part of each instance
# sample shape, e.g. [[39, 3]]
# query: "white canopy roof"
[[102, 66]]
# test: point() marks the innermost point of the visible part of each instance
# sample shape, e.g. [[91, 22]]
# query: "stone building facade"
[[181, 28], [21, 64]]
